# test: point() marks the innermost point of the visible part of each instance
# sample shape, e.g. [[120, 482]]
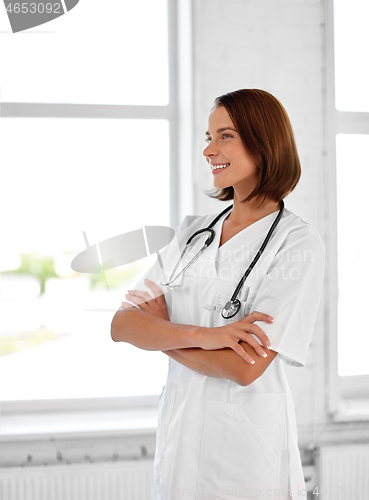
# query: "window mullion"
[[352, 122], [56, 110]]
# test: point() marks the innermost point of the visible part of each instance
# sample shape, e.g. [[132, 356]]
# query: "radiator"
[[95, 481], [344, 472]]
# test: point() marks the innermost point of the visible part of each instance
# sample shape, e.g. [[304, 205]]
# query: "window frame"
[[178, 112], [347, 396]]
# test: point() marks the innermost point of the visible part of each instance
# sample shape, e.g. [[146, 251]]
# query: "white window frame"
[[347, 397], [179, 113]]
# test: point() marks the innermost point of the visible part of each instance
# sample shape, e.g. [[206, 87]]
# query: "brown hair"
[[267, 134]]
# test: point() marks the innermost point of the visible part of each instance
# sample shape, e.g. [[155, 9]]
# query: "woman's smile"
[[218, 167]]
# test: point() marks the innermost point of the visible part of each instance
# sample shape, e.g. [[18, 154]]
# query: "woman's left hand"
[[157, 306]]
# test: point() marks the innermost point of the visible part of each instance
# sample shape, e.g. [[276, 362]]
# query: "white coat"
[[215, 438]]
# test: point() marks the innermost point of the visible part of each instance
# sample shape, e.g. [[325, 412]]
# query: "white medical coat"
[[217, 439]]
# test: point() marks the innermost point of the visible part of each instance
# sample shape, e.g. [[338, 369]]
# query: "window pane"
[[65, 176], [353, 272], [103, 53], [351, 54]]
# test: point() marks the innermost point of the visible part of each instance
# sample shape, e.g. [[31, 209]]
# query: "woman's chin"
[[221, 185]]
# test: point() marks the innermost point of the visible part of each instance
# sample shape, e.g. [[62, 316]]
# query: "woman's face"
[[226, 148]]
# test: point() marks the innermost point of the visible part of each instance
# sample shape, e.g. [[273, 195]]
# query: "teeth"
[[219, 166]]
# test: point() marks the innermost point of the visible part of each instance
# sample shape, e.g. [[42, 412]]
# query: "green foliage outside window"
[[42, 267]]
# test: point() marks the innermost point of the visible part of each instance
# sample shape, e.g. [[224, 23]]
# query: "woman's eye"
[[224, 136]]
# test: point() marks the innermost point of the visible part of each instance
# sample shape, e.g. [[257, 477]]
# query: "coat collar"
[[212, 256], [241, 240]]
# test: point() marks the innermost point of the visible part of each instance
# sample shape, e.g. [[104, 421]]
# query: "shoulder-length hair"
[[267, 135]]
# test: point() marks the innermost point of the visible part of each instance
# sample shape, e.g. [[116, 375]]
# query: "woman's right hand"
[[221, 337]]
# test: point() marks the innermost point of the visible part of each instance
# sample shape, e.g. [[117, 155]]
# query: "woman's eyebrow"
[[222, 130]]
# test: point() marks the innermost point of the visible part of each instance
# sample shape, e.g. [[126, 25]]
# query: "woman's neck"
[[247, 213]]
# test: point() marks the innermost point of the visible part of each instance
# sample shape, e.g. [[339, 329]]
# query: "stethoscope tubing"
[[168, 283], [206, 244], [260, 251], [233, 305]]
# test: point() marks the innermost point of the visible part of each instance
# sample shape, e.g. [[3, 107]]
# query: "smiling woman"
[[226, 418], [229, 160], [260, 139]]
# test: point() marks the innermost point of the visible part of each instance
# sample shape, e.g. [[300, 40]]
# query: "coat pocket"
[[166, 405], [235, 457]]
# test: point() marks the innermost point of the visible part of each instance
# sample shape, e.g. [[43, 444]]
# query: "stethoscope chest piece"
[[231, 308]]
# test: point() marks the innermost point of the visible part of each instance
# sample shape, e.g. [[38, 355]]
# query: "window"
[[89, 144], [348, 165]]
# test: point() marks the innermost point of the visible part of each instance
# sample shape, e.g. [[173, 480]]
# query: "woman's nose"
[[209, 151]]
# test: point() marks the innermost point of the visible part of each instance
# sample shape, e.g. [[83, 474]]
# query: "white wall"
[[277, 46]]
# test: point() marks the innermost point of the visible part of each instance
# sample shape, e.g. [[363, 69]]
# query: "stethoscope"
[[232, 307]]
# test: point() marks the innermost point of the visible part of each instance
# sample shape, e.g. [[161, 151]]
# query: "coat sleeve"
[[291, 292]]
